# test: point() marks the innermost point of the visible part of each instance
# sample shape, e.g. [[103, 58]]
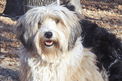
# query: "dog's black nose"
[[48, 34]]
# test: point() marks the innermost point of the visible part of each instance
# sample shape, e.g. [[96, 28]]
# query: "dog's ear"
[[20, 34], [75, 33]]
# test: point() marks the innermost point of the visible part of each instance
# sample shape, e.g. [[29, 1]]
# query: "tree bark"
[[14, 7], [19, 7], [36, 3]]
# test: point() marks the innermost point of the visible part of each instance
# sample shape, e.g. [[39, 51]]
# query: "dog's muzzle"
[[48, 35]]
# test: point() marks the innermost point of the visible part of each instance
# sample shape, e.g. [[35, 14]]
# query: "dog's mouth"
[[49, 43]]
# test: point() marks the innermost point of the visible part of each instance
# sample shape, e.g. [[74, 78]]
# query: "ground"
[[106, 13]]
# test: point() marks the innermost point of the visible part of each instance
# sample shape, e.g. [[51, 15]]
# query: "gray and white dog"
[[53, 51]]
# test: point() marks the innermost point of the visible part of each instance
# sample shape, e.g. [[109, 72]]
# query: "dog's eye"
[[39, 23], [57, 21]]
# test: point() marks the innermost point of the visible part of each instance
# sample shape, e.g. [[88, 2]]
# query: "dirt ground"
[[106, 13]]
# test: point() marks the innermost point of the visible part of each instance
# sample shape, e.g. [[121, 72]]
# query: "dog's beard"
[[50, 49]]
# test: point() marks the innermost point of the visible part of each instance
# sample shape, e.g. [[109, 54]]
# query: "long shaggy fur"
[[105, 45], [107, 48], [64, 59]]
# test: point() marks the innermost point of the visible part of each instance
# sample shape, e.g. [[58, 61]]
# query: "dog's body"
[[53, 49], [106, 46]]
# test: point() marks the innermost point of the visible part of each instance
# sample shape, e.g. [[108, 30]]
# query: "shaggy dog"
[[53, 50], [107, 48]]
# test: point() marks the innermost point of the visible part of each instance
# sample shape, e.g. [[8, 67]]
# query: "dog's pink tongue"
[[49, 42]]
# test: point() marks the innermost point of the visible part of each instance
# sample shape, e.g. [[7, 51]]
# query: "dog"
[[106, 46], [52, 47]]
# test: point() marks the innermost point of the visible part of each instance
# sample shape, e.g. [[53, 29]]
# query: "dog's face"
[[49, 31]]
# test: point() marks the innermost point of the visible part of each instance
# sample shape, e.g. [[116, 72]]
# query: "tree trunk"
[[36, 3], [14, 7], [19, 7]]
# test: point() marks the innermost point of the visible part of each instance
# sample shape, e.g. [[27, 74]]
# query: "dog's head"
[[49, 30]]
